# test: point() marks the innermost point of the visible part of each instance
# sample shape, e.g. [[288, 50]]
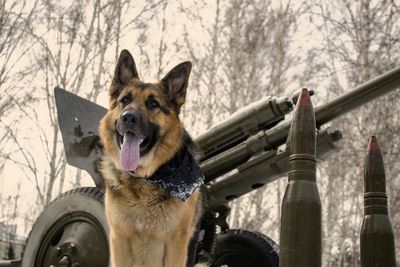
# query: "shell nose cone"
[[374, 172], [302, 134], [373, 144], [304, 99]]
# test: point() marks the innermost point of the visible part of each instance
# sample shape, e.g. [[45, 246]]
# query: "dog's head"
[[142, 129]]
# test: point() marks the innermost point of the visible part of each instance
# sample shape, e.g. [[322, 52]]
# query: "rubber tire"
[[238, 248], [83, 199]]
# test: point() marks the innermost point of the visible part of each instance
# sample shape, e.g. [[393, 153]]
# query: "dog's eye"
[[151, 103], [126, 99]]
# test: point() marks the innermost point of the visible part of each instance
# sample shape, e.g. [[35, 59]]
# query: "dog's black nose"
[[129, 118]]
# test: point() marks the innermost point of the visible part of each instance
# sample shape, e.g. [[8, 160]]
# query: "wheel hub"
[[68, 255], [72, 242]]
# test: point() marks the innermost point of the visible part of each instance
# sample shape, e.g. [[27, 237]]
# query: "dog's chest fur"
[[136, 205]]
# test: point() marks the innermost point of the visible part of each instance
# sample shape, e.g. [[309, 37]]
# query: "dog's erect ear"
[[176, 82], [125, 70]]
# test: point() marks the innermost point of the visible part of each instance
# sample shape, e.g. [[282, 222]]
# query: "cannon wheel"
[[245, 248], [71, 231]]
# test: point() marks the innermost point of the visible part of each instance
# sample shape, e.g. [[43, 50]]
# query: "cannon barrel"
[[262, 114], [276, 136], [266, 168]]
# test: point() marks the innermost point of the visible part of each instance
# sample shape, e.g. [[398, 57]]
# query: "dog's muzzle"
[[129, 138], [129, 121], [134, 138]]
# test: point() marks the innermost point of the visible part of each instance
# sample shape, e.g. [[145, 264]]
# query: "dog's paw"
[[201, 264]]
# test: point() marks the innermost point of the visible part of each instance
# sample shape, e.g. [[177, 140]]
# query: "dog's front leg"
[[121, 254], [176, 249], [136, 251]]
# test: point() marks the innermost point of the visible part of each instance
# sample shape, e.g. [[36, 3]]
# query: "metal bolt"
[[58, 252], [71, 248], [64, 262]]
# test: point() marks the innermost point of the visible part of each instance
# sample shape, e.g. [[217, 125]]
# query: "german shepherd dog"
[[141, 134]]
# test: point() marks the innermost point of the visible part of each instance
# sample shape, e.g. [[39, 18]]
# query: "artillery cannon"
[[242, 153]]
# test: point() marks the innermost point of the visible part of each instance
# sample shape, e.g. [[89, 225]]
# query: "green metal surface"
[[12, 263], [79, 119], [276, 136], [300, 236], [262, 114], [265, 168], [377, 245]]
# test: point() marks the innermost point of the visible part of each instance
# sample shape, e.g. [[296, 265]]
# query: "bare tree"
[[207, 78], [246, 55], [365, 45], [71, 53], [258, 59], [15, 17]]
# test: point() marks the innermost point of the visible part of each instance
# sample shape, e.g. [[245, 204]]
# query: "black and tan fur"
[[147, 226]]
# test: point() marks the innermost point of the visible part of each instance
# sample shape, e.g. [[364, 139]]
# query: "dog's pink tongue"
[[130, 152]]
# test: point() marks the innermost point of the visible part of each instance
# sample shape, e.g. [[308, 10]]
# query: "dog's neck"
[[179, 177]]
